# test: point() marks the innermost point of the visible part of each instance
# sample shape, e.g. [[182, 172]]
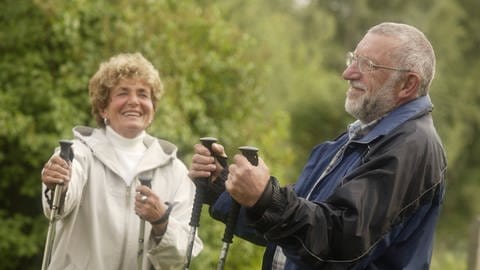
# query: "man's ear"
[[410, 86]]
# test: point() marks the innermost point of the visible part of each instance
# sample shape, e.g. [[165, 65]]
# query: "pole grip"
[[145, 179], [66, 152], [201, 187], [250, 153]]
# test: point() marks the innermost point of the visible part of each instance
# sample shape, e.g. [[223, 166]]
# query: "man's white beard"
[[369, 107]]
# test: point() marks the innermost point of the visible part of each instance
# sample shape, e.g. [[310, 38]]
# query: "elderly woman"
[[103, 200]]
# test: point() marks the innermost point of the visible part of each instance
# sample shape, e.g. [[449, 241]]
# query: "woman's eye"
[[144, 95]]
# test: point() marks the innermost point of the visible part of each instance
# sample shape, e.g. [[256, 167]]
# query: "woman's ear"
[[103, 113]]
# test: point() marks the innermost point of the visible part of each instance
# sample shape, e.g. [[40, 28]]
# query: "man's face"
[[372, 93]]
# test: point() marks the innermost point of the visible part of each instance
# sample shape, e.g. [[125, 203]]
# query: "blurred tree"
[[265, 73], [32, 111], [295, 79], [307, 41], [49, 51]]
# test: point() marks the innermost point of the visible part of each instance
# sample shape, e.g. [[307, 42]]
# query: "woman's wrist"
[[159, 230], [159, 226], [165, 216]]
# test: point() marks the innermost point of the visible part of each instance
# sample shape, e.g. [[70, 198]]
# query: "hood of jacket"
[[159, 152]]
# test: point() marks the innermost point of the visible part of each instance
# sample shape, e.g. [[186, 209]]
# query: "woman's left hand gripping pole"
[[66, 154]]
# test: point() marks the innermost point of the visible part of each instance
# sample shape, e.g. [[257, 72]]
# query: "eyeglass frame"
[[353, 57]]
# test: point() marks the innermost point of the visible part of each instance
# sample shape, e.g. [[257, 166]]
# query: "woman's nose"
[[133, 99]]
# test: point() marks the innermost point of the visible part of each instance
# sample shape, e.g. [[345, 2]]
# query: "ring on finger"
[[144, 198]]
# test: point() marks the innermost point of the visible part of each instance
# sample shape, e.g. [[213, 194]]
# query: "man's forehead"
[[376, 46]]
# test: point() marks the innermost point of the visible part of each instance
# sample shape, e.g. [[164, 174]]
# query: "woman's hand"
[[151, 208], [56, 172]]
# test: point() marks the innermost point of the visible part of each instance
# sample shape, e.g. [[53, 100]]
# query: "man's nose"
[[351, 72]]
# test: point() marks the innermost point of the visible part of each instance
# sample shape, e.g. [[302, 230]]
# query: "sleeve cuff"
[[216, 188], [258, 209]]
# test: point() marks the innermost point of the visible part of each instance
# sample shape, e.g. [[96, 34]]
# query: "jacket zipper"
[[331, 165], [127, 225]]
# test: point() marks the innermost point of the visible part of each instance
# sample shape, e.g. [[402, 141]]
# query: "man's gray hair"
[[414, 51]]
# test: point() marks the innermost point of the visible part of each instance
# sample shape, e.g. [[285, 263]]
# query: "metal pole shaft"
[[223, 255], [141, 243], [51, 227]]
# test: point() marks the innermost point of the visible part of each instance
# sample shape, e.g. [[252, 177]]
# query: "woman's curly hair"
[[111, 72]]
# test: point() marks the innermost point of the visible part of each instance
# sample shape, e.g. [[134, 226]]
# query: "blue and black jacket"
[[376, 209]]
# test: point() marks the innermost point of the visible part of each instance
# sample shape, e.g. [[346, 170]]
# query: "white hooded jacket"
[[97, 226]]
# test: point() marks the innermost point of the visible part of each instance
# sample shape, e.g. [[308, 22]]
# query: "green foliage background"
[[264, 73]]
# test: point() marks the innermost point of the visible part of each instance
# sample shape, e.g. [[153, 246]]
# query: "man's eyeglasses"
[[366, 65]]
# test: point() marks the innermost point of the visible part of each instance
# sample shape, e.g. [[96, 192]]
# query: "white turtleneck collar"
[[129, 152], [126, 144]]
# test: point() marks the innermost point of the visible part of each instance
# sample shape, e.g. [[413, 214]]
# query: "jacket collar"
[[158, 153], [395, 118]]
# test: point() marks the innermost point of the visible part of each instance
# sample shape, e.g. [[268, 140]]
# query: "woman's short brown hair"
[[118, 67]]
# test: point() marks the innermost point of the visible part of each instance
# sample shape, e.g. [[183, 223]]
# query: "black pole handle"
[[66, 152], [200, 192], [207, 142], [201, 185], [250, 153], [145, 179]]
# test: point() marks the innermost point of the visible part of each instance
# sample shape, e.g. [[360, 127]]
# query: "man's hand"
[[204, 164], [247, 182]]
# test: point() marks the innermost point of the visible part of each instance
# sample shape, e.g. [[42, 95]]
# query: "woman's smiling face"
[[130, 108]]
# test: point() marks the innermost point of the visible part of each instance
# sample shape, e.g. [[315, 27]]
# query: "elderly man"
[[369, 199]]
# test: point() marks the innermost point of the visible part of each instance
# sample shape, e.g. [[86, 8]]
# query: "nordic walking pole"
[[145, 180], [201, 187], [250, 153], [67, 155]]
